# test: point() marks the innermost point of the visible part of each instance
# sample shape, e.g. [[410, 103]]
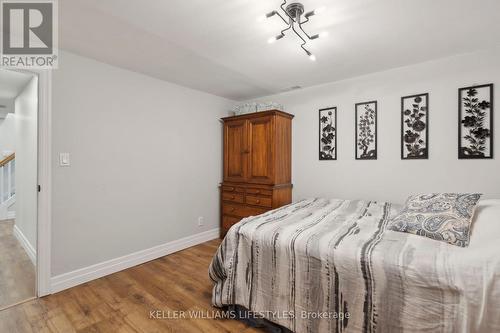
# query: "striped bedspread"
[[330, 265]]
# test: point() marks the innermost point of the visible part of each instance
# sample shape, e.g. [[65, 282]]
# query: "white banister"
[[9, 179], [2, 184], [7, 182], [12, 178]]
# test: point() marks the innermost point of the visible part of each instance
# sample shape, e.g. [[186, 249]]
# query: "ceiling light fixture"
[[295, 19]]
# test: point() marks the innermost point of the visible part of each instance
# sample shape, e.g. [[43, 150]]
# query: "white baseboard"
[[30, 250], [79, 276], [11, 215]]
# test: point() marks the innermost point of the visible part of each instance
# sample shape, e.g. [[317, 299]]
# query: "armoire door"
[[235, 150], [260, 144]]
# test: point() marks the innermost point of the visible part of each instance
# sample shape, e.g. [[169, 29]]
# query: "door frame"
[[44, 204]]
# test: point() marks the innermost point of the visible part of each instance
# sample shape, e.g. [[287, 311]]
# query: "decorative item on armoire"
[[415, 127], [257, 165], [475, 127], [328, 134], [366, 130], [252, 107]]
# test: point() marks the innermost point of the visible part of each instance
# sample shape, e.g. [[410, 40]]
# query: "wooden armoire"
[[257, 165]]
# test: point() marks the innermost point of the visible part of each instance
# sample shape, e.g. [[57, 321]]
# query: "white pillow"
[[486, 222]]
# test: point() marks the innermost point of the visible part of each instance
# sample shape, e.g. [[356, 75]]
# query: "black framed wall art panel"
[[475, 127], [328, 134], [366, 130], [415, 127]]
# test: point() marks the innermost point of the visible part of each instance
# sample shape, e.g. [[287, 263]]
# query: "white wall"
[[7, 134], [145, 162], [8, 103], [390, 178], [26, 129]]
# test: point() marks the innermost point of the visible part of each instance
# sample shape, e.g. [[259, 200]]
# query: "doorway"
[[18, 186]]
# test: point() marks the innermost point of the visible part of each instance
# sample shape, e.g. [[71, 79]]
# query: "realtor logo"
[[29, 34]]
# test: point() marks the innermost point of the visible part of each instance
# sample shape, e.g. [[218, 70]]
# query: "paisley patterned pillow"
[[442, 216]]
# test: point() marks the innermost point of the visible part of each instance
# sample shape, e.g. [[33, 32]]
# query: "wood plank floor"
[[17, 272], [122, 302]]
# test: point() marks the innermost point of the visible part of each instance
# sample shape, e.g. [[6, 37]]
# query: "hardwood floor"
[[122, 302], [17, 272]]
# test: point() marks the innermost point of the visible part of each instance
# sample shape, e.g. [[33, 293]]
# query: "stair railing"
[[7, 178]]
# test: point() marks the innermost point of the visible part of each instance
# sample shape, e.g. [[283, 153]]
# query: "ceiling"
[[218, 46], [11, 85]]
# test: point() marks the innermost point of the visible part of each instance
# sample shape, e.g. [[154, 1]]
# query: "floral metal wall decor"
[[366, 130], [328, 134], [475, 128], [415, 127]]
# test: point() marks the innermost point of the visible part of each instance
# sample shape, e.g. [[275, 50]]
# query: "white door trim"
[[44, 224]]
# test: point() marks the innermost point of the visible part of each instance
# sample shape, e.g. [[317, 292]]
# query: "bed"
[[331, 265]]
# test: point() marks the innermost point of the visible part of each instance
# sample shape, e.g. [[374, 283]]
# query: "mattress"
[[331, 265]]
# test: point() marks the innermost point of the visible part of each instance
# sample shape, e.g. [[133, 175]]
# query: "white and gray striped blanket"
[[329, 265]]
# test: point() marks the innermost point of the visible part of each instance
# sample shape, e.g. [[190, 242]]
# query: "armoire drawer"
[[258, 191], [259, 201], [240, 210], [233, 197], [237, 189]]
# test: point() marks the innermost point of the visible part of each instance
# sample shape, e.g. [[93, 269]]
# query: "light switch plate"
[[64, 159]]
